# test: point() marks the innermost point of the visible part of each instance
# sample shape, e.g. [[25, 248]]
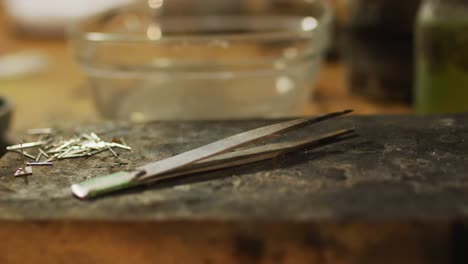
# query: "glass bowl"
[[217, 60]]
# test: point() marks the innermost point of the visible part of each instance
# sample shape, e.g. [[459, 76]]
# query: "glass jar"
[[442, 57]]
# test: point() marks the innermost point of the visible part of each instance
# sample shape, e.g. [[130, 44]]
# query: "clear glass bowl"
[[217, 60]]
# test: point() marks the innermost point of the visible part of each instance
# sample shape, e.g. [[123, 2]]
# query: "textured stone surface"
[[398, 168]]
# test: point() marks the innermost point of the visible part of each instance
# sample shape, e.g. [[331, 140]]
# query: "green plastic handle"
[[106, 184]]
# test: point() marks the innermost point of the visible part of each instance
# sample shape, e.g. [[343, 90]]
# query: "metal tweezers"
[[220, 154]]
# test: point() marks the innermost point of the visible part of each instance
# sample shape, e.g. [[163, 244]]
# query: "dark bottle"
[[379, 49]]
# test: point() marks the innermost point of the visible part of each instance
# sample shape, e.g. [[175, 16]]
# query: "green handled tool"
[[217, 155]]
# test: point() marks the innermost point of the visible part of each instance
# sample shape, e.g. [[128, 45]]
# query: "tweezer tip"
[[79, 191]]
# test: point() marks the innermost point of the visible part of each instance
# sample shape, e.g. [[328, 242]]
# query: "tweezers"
[[220, 154]]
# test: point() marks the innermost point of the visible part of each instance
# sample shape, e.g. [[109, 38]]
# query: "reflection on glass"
[[155, 3], [284, 85], [154, 32], [309, 23]]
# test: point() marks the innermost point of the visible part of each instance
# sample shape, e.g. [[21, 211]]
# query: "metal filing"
[[52, 147], [40, 131], [23, 170], [40, 163]]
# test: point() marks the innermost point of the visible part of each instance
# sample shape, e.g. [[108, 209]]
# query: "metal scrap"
[[23, 171], [42, 163], [26, 145], [40, 131], [49, 147]]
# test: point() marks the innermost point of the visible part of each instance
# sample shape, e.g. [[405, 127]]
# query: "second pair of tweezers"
[[220, 154]]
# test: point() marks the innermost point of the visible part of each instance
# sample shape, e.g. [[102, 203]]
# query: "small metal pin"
[[96, 151], [23, 170], [113, 152], [95, 145], [117, 145], [42, 163], [43, 153], [39, 156], [22, 155], [63, 154], [74, 156], [95, 137], [28, 155], [52, 158], [77, 151], [40, 131], [26, 145]]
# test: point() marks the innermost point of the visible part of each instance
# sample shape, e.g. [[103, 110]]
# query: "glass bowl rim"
[[76, 31]]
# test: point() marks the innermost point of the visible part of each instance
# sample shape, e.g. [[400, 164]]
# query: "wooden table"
[[397, 193]]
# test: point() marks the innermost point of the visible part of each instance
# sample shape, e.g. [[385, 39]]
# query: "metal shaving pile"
[[50, 147]]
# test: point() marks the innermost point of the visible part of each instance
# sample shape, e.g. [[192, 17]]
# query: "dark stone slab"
[[398, 168]]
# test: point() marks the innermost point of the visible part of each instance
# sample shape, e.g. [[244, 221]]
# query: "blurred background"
[[178, 59]]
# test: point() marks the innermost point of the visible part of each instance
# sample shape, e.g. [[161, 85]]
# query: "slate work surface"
[[397, 168]]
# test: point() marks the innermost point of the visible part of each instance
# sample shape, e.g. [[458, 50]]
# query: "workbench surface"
[[396, 193], [397, 167]]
